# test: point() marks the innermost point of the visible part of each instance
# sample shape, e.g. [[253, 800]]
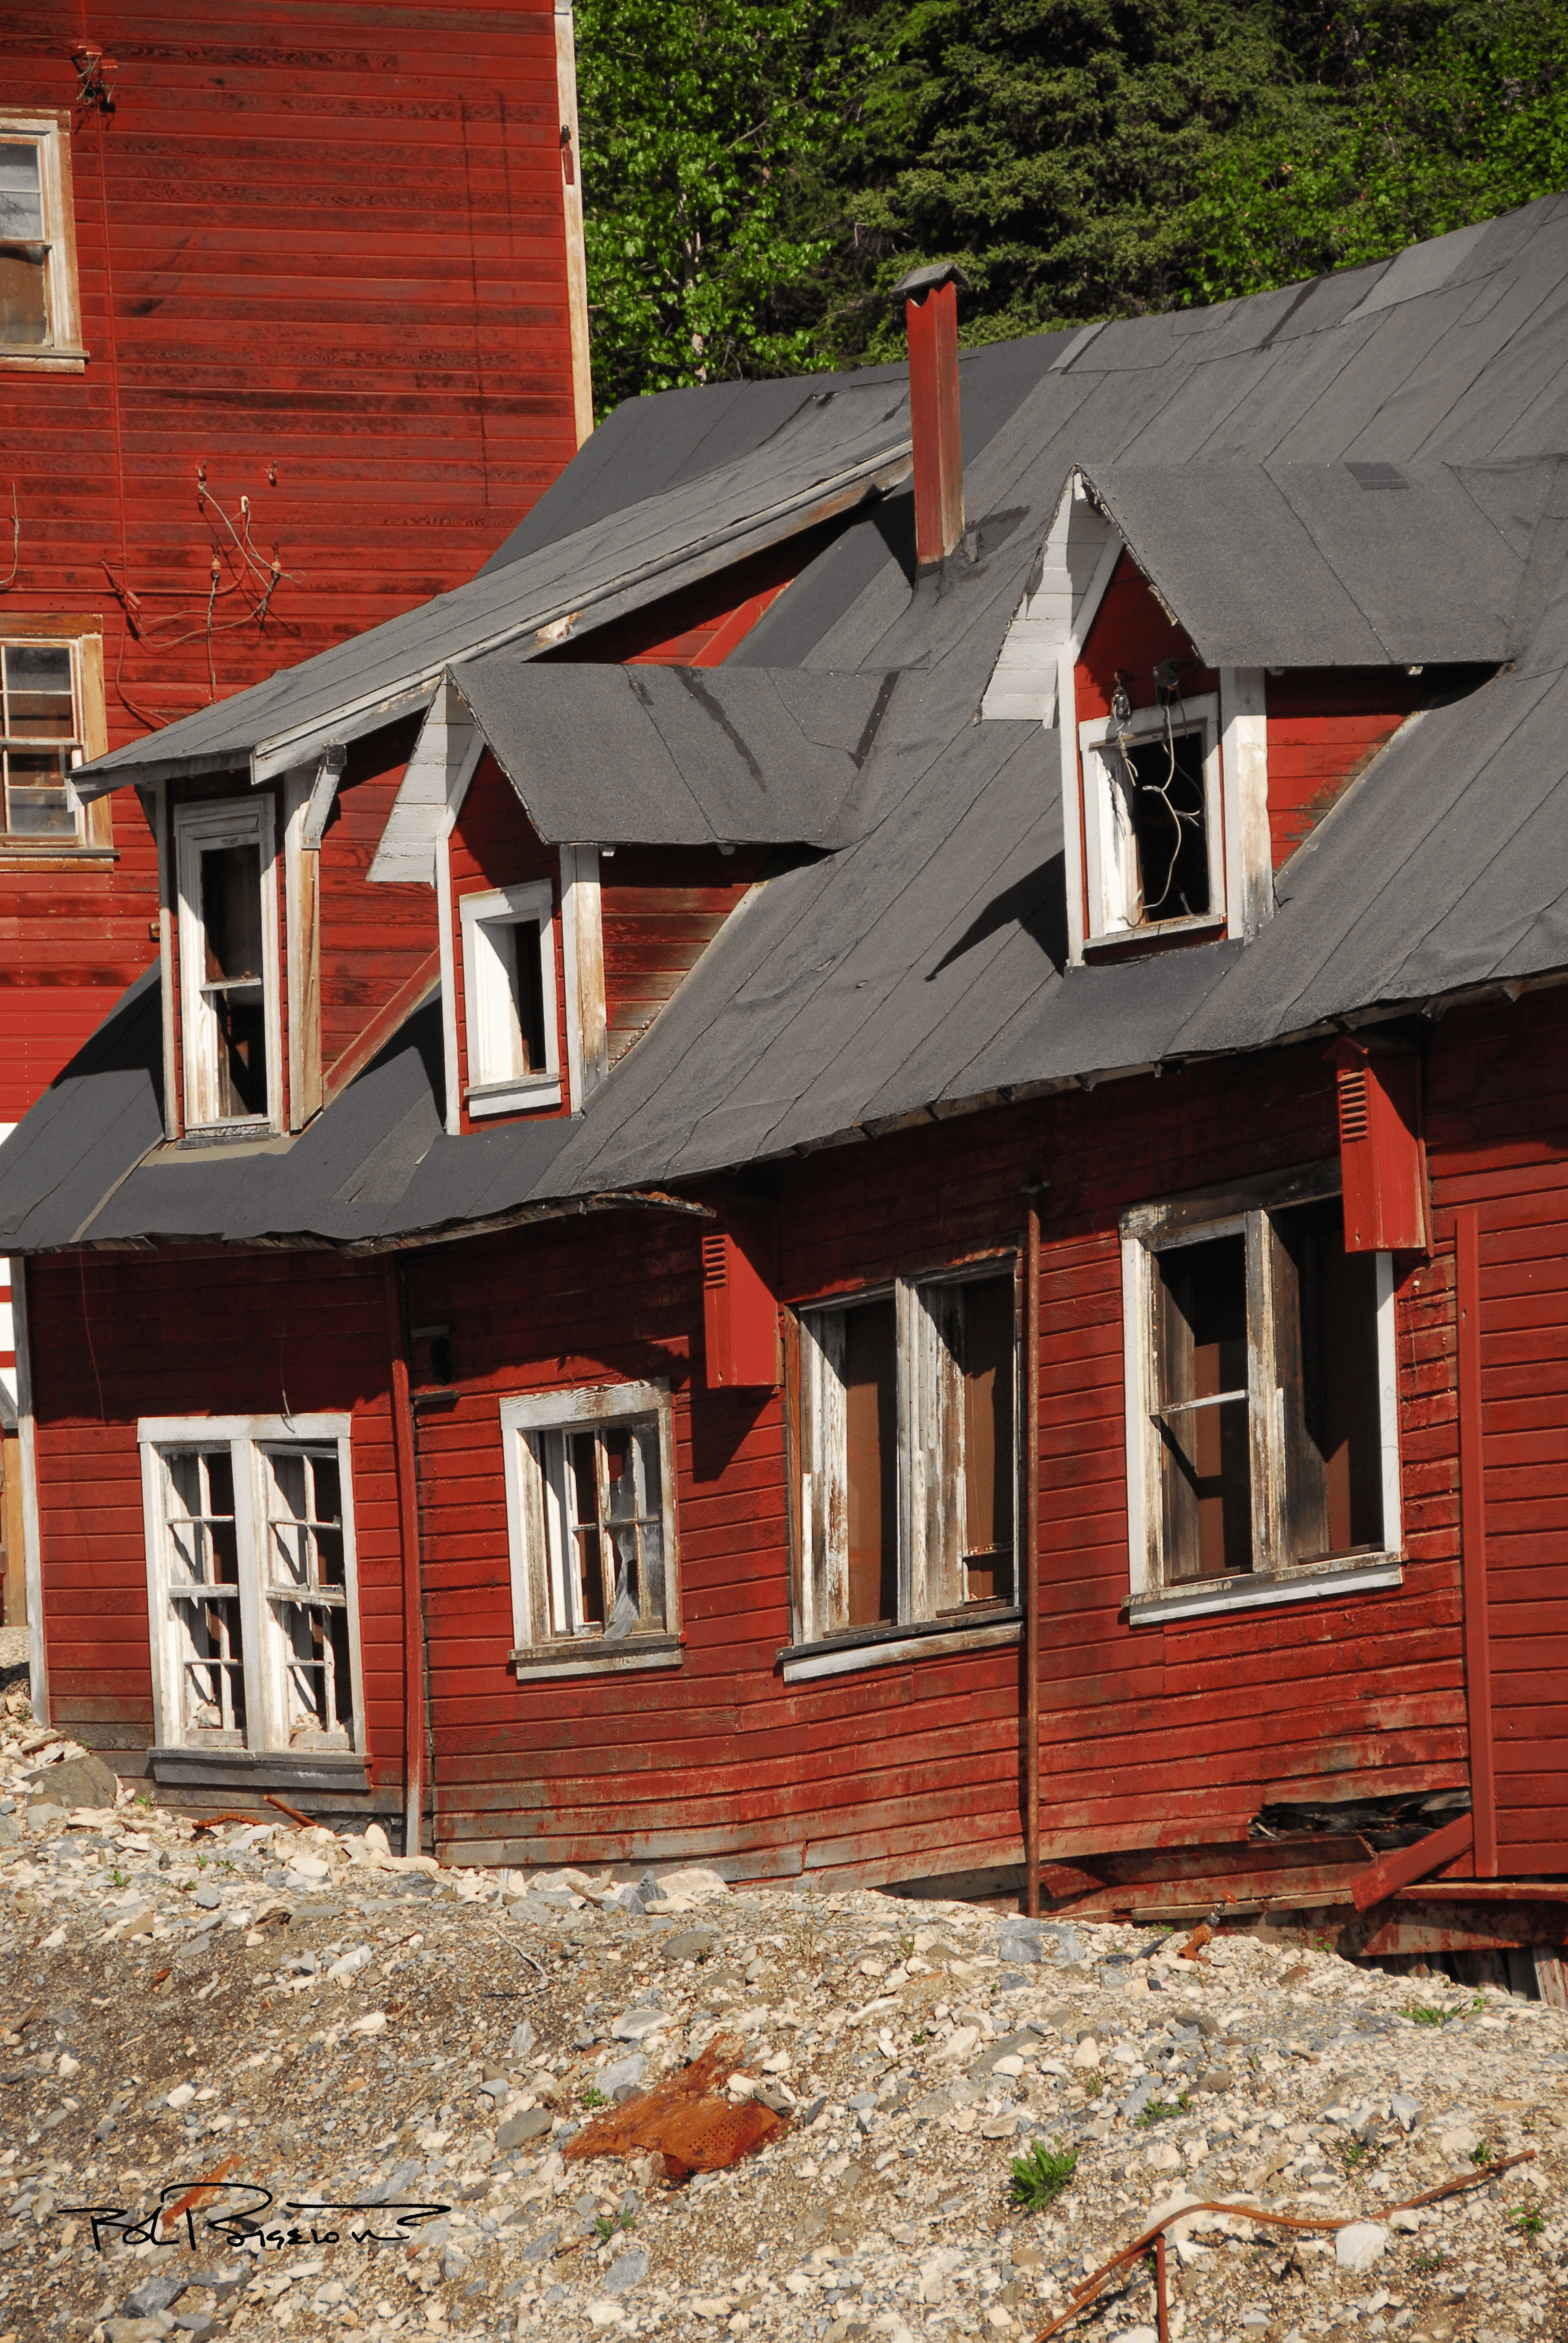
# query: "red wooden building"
[[857, 1171], [292, 334]]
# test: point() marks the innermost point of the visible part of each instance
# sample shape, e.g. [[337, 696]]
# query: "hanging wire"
[[1137, 785], [10, 576]]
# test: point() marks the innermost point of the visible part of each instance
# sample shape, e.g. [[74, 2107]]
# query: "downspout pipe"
[[414, 1716], [1033, 1187]]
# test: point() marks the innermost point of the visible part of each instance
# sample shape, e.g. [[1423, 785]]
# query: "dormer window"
[[1152, 825], [509, 989], [228, 965]]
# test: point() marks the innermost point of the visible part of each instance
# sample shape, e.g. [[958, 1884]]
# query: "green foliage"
[[1428, 2262], [1528, 2219], [694, 115], [610, 2225], [1159, 2111], [1422, 2013], [1040, 2177], [1480, 2153], [593, 2098]]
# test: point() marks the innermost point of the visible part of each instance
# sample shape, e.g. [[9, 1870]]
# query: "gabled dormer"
[[1223, 649]]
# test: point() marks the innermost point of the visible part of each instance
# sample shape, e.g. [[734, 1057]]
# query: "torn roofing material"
[[677, 755], [1361, 564]]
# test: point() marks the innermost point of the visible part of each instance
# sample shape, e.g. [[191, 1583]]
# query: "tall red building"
[[293, 332]]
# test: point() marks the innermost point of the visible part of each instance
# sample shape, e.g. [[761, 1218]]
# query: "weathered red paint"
[[322, 268], [1381, 1160]]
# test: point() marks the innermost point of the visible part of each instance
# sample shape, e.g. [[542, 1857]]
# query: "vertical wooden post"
[[31, 1527], [1029, 1546], [1162, 2292], [1473, 1539], [413, 1603]]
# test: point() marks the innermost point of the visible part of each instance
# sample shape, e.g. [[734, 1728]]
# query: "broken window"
[[1152, 830], [226, 964], [589, 1492], [40, 738], [908, 1454], [1263, 1436], [509, 989], [38, 308], [252, 1585]]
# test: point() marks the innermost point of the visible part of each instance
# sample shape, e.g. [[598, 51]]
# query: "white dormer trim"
[[437, 776], [1057, 609]]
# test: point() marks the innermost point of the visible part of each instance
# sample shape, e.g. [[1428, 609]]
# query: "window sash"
[[1280, 1498], [495, 929], [931, 1468], [51, 250], [219, 1012], [1111, 871], [574, 1540], [285, 1640], [25, 754]]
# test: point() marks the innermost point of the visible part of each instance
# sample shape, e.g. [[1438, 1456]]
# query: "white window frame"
[[90, 734], [246, 1438], [196, 829], [538, 1652], [1109, 859], [50, 133], [487, 999], [930, 1484], [1149, 1230]]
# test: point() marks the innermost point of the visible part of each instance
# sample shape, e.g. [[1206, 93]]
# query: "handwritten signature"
[[178, 2207]]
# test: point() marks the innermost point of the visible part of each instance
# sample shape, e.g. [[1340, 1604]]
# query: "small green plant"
[[1158, 2110], [1354, 2154], [1480, 2153], [1529, 2220], [1428, 2262], [593, 2098], [609, 2224], [920, 2036], [1040, 2177], [201, 1862], [144, 1798], [118, 1876], [1422, 2014]]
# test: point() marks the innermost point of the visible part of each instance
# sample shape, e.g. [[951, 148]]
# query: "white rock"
[[1359, 2243], [181, 2095], [1087, 2054], [700, 1884], [309, 1866], [960, 2044], [377, 1838], [372, 2024], [341, 1971]]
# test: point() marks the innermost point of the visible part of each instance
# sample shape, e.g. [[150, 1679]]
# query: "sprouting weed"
[[1040, 2177], [1428, 2262], [1480, 2153], [1424, 2015], [1158, 2110], [1528, 2219], [609, 2224], [593, 2098]]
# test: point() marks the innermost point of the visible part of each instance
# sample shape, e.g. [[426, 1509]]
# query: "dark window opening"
[[1169, 814], [871, 1441], [24, 256], [526, 980], [1329, 1372], [986, 1364], [231, 923], [1203, 1412]]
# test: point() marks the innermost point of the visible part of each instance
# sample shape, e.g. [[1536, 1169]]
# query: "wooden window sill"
[[14, 857], [592, 1656], [1355, 1573], [261, 1769], [513, 1097], [54, 359], [1196, 929], [881, 1647]]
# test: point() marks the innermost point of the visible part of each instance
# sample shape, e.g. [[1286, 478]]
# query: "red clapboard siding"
[[701, 624], [373, 940], [661, 907], [1154, 1738], [322, 268], [1132, 633], [1325, 727]]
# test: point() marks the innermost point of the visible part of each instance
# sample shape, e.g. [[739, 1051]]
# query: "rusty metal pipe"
[[1029, 1542], [408, 1539]]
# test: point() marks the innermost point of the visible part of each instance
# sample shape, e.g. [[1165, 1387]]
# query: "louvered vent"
[[714, 1261], [1352, 1105]]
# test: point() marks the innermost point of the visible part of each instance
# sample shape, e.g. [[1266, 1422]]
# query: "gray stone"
[[1145, 2088], [632, 2024], [523, 2039], [154, 2294], [627, 2270], [621, 2075], [77, 1782], [199, 2323], [10, 1835], [691, 1944], [1405, 2112], [1037, 1940], [540, 2248], [532, 2123], [208, 1897]]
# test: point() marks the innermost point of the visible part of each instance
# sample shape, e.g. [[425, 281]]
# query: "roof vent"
[[1377, 476], [931, 317]]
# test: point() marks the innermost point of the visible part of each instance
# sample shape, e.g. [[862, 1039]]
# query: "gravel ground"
[[319, 2019]]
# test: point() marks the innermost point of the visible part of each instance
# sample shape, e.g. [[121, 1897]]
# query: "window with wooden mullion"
[[603, 1520], [1264, 1394], [306, 1591], [908, 1454], [204, 1596]]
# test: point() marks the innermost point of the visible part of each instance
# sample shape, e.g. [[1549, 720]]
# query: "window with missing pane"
[[40, 739], [509, 993], [202, 1622], [1153, 844], [306, 1585], [39, 322], [589, 1492], [227, 964], [1262, 1415]]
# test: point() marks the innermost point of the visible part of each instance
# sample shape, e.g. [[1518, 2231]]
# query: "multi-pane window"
[[908, 1461], [39, 314], [589, 1488], [251, 1585], [509, 992], [1261, 1390], [227, 956], [40, 738], [1153, 848]]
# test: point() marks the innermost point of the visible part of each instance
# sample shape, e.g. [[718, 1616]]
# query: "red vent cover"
[[1382, 1162]]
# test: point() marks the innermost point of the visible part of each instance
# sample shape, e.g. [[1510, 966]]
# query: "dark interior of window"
[[23, 298], [37, 717], [870, 1430], [987, 1361], [1333, 1465], [1170, 825], [1201, 1417], [231, 919], [527, 995]]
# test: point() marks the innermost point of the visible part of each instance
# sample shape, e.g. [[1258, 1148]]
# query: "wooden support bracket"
[[1406, 1863]]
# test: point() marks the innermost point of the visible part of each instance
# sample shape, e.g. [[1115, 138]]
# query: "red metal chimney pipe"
[[931, 317]]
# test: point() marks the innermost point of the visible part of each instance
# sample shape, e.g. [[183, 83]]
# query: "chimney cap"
[[927, 280]]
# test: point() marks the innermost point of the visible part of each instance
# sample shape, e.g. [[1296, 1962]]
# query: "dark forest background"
[[758, 172]]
